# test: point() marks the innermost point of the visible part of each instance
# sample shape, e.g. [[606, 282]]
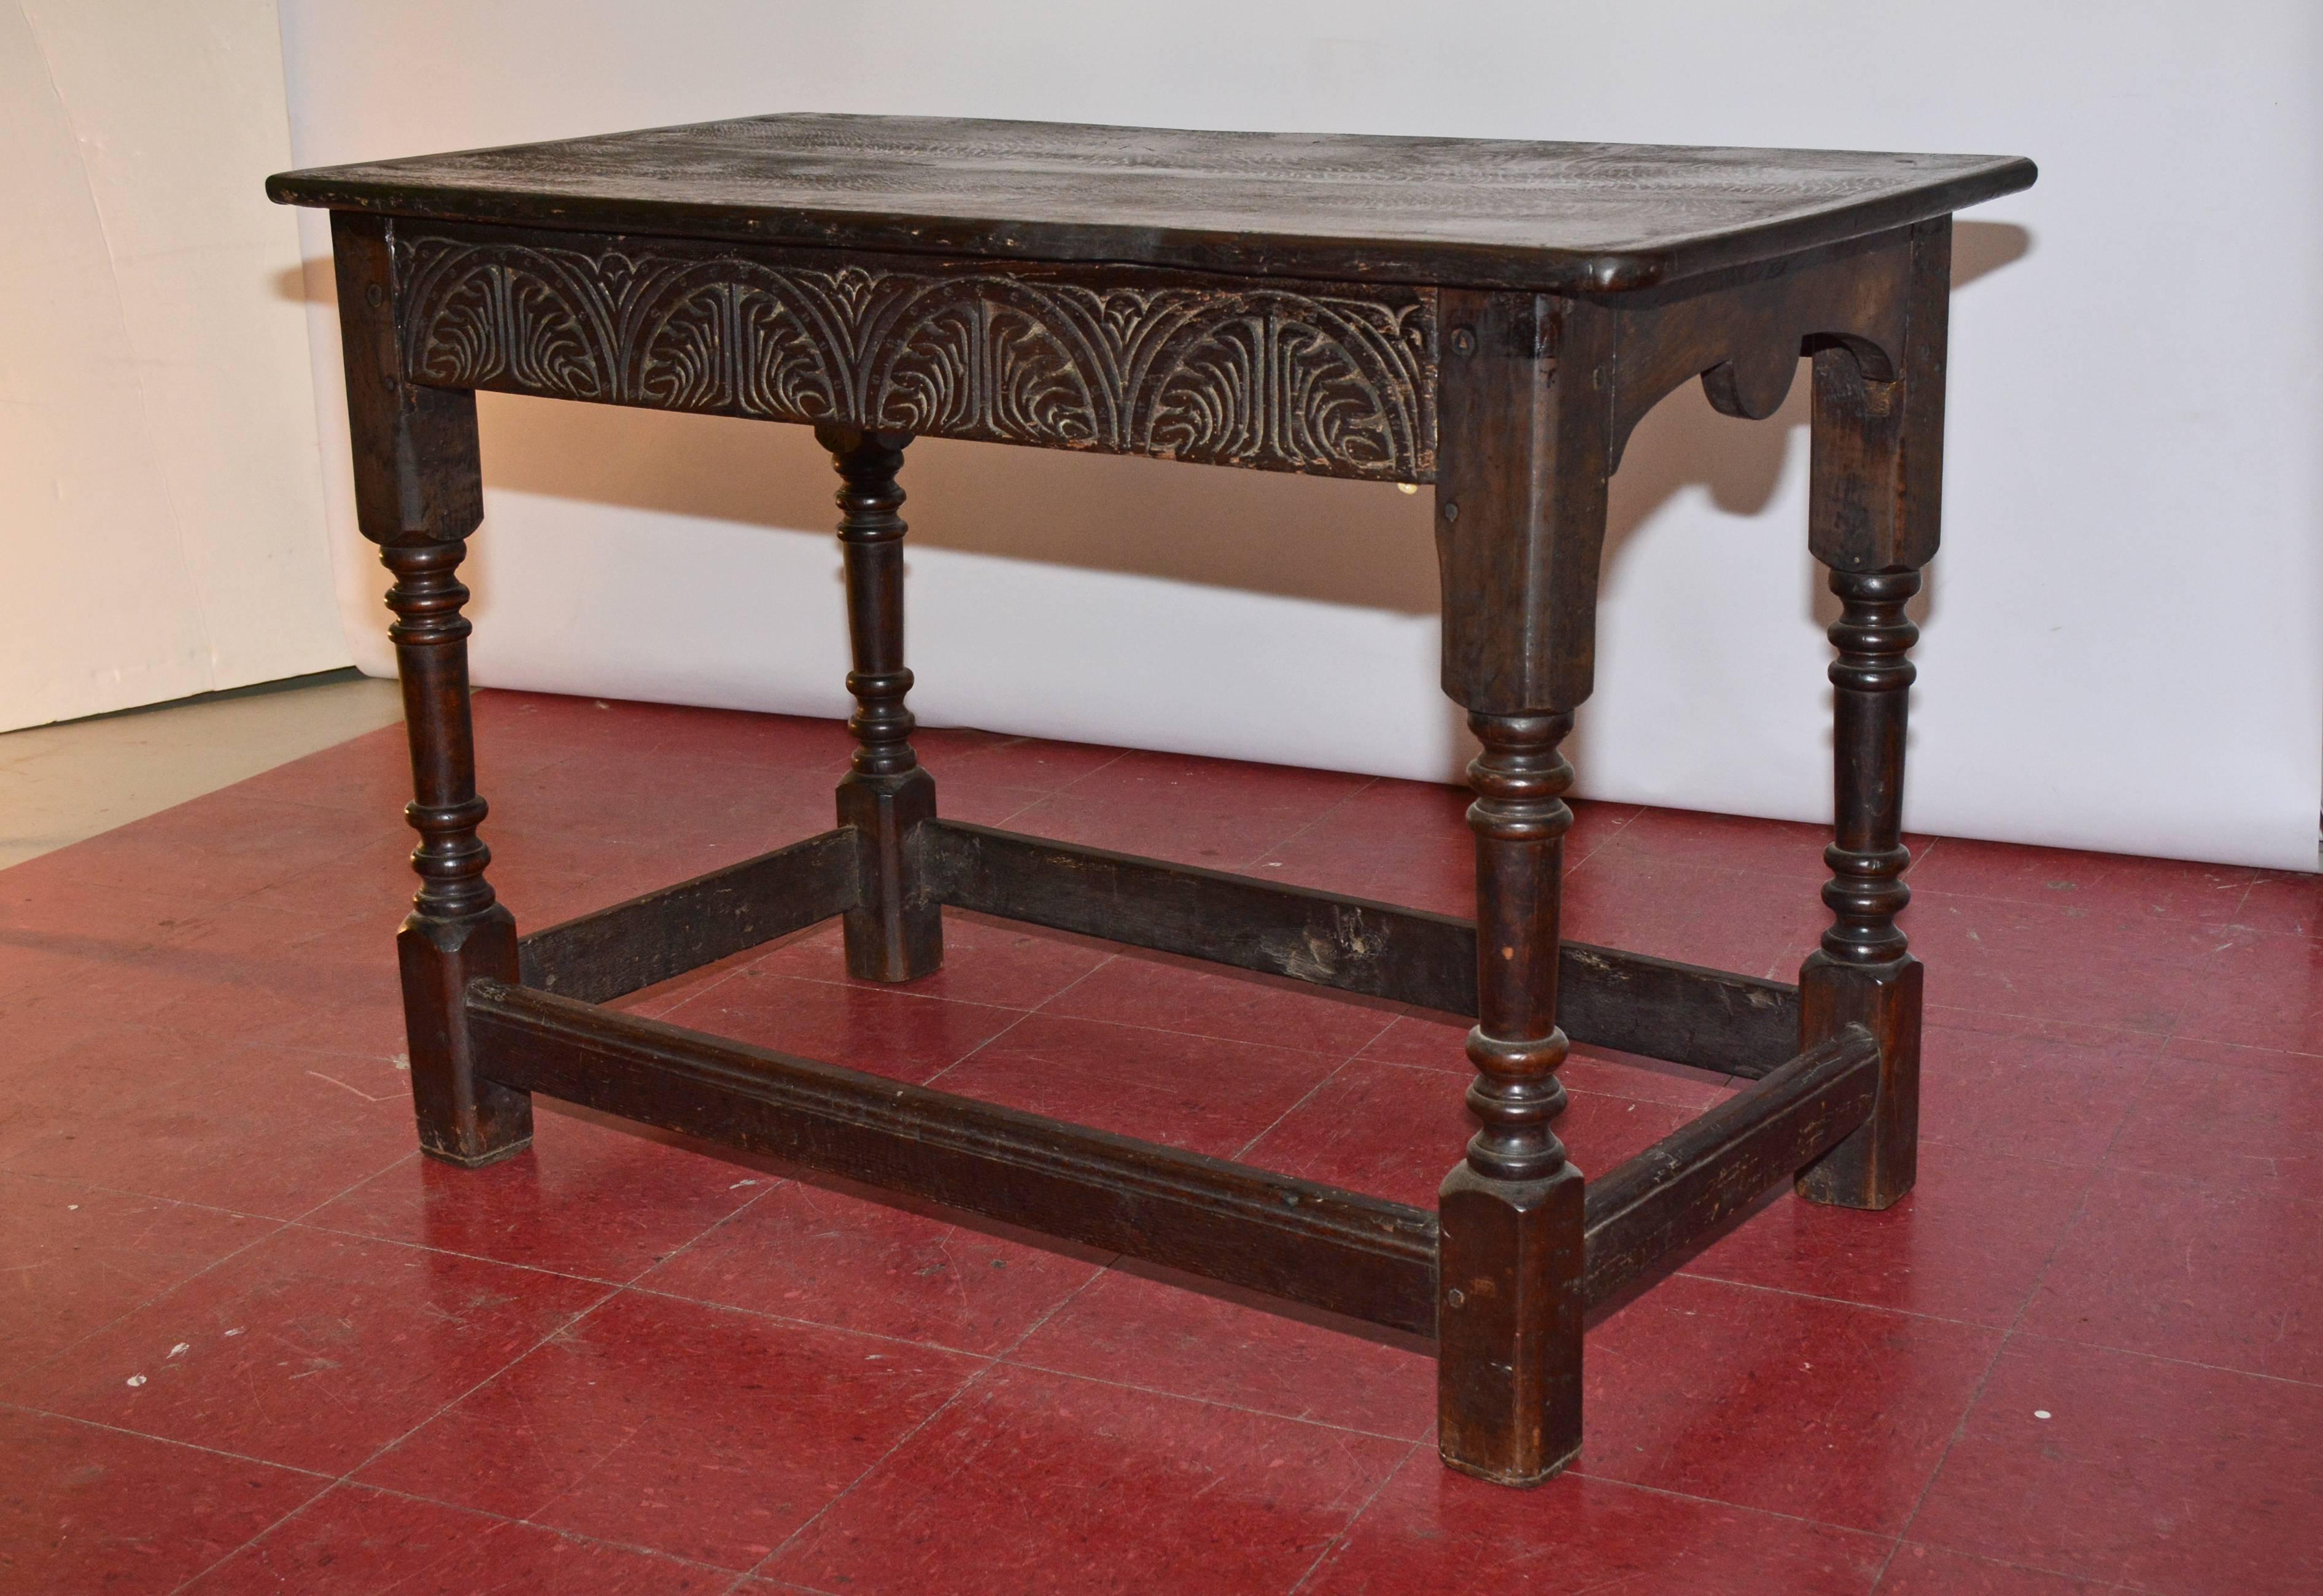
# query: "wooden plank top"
[[1482, 213]]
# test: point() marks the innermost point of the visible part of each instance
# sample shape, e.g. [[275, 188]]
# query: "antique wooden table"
[[1491, 317]]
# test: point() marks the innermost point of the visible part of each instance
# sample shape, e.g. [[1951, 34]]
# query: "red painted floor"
[[249, 1342]]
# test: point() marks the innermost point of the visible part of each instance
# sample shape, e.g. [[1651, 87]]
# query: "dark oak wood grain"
[[1508, 1302], [1494, 317], [1630, 1002], [892, 932], [1863, 974], [419, 494], [658, 936], [1330, 379], [1486, 212], [1361, 1256], [1874, 497], [1684, 1186]]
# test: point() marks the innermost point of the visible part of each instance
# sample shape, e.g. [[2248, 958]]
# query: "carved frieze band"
[[1334, 380]]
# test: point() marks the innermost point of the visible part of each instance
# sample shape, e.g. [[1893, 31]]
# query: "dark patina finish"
[[1492, 317]]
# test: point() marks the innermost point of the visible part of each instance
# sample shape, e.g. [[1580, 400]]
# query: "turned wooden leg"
[[457, 929], [1863, 974], [897, 933], [419, 494], [1509, 1264], [1523, 457], [1875, 490]]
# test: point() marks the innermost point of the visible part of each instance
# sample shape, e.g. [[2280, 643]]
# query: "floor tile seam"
[[1799, 878], [324, 1482], [2243, 901], [1329, 809], [1257, 862], [147, 1196], [795, 1321], [2185, 1180], [1011, 1360], [1330, 1054], [2132, 916], [578, 1536], [323, 1476], [33, 1066], [1581, 1472], [1009, 1029], [2157, 1037], [991, 1361], [2086, 1171], [1056, 1307], [2104, 1582], [773, 1184], [598, 1467], [2203, 1183], [1242, 1152], [763, 952], [408, 1155], [1116, 951], [1022, 810], [2153, 1357], [582, 1536], [347, 1481], [1338, 1537], [127, 1314], [325, 1489], [1045, 1012], [1796, 882], [1960, 1429], [2128, 1100], [889, 989], [1573, 861], [2306, 1065], [568, 1323], [1571, 1090], [536, 1269], [2170, 1034], [848, 1489], [1686, 1270], [1999, 1350], [1923, 895], [1118, 755], [1977, 1146]]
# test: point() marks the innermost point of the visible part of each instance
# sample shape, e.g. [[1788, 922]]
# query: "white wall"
[[162, 527], [2125, 634]]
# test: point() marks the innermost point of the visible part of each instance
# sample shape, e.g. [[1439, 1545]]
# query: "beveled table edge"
[[370, 188]]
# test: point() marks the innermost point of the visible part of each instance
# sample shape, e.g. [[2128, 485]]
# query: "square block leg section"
[[1509, 1324], [897, 933], [1878, 1164], [463, 1119]]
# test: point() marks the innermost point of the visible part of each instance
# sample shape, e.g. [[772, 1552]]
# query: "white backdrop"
[[2123, 634], [160, 513]]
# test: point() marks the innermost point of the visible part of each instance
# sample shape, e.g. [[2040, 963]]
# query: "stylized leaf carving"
[[1336, 379]]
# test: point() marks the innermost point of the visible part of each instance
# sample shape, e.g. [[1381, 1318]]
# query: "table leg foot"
[[1509, 1324], [458, 930], [1511, 1252]]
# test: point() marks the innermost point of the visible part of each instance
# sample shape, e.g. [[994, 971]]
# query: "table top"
[[1484, 213]]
